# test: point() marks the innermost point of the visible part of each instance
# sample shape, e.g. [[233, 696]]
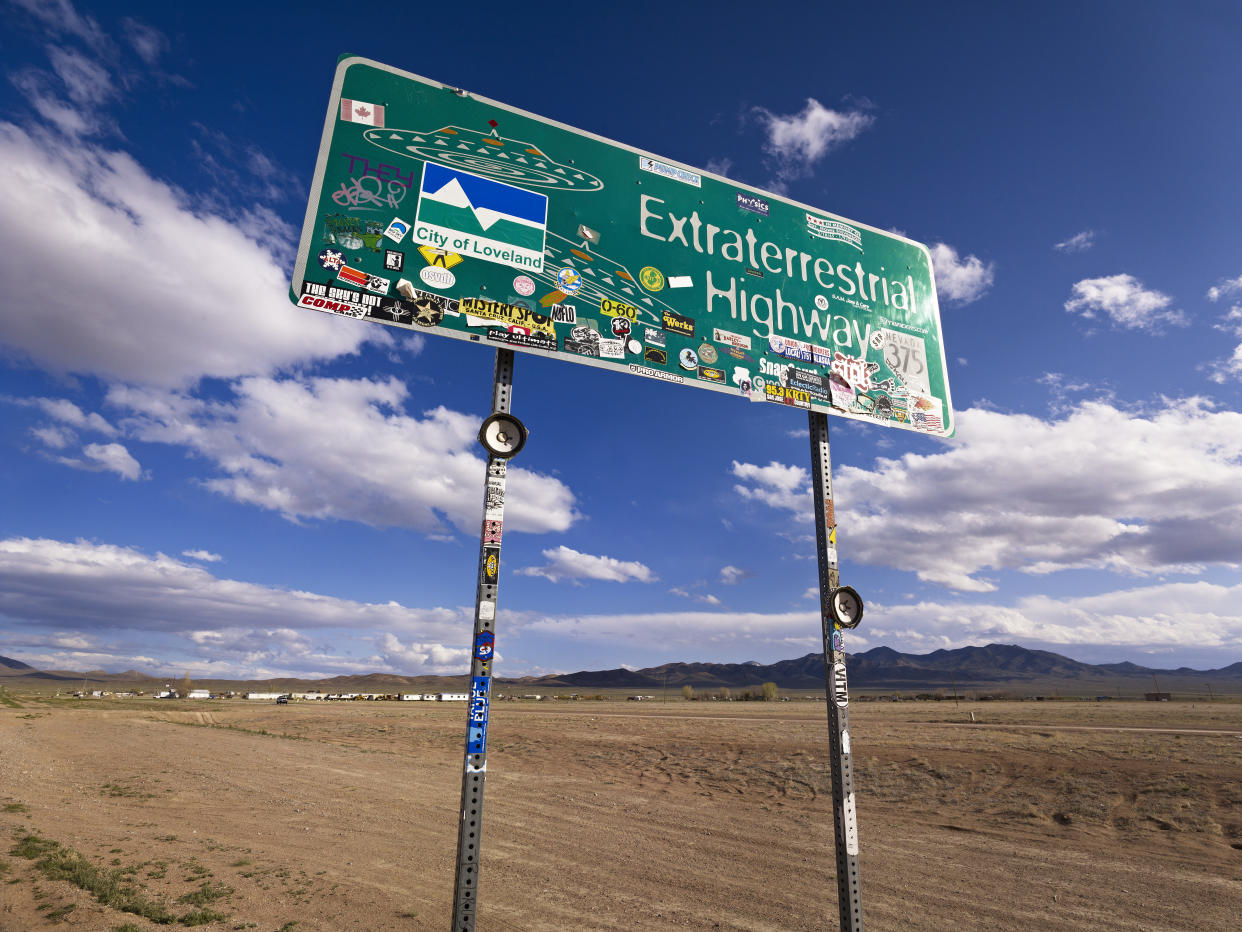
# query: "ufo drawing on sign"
[[487, 154]]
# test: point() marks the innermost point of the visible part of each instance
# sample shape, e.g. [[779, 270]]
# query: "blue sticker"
[[332, 259], [837, 641], [476, 735], [484, 645]]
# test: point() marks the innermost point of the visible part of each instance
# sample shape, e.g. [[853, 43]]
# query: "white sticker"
[[906, 355], [487, 611], [397, 229], [680, 281], [851, 827], [612, 349], [669, 171], [821, 302], [436, 277], [524, 285]]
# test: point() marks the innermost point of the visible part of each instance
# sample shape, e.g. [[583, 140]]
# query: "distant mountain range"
[[995, 667]]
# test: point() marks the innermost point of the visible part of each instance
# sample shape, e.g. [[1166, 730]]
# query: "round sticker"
[[821, 302], [877, 339], [437, 277], [621, 326], [584, 335], [428, 311], [688, 359], [569, 281], [634, 346], [652, 278], [524, 285], [707, 353]]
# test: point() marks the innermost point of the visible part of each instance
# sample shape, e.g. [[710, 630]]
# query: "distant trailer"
[[1158, 697], [411, 697], [431, 697], [454, 697], [264, 695], [199, 694]]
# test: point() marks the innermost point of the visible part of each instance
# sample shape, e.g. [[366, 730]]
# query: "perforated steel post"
[[474, 775], [849, 897]]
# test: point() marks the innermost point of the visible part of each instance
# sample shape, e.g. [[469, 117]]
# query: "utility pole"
[[845, 820]]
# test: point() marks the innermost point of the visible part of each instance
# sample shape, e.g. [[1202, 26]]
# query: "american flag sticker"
[[926, 413], [359, 111]]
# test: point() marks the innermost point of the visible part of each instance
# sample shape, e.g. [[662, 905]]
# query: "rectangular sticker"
[[669, 171], [480, 696], [481, 218]]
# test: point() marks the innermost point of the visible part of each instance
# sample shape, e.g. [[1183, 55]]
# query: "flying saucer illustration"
[[486, 154]]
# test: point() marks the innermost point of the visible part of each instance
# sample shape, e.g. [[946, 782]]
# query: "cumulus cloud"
[[258, 630], [382, 467], [565, 563], [960, 280], [1125, 302], [1097, 488], [732, 575], [1204, 614], [197, 297], [1079, 242], [775, 485], [203, 556], [113, 457], [1229, 286], [1230, 368], [797, 141]]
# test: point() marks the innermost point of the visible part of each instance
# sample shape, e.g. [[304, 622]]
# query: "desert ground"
[[227, 814]]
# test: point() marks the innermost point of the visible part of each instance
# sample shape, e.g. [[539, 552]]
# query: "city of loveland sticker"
[[437, 210]]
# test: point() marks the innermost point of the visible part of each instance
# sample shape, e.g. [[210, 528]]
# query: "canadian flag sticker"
[[359, 111]]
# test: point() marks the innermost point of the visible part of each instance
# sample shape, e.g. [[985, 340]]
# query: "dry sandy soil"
[[616, 815]]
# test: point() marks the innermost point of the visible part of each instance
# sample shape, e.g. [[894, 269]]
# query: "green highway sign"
[[440, 211]]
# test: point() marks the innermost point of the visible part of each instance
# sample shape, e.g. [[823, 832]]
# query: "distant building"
[[1158, 697], [199, 694]]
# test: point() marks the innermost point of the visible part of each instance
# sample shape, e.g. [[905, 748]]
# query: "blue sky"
[[199, 476]]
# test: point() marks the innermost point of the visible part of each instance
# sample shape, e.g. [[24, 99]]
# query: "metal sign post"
[[849, 898], [500, 446]]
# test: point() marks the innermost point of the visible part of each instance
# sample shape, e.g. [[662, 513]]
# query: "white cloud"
[[203, 556], [86, 81], [55, 437], [565, 563], [960, 281], [113, 457], [106, 588], [1099, 488], [732, 575], [420, 657], [122, 278], [1125, 302], [797, 141], [146, 40], [1229, 286], [1223, 370], [690, 633], [67, 412], [775, 485], [1079, 242], [59, 17], [1206, 615], [382, 467]]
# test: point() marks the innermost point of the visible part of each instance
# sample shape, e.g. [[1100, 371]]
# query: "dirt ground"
[[618, 815]]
